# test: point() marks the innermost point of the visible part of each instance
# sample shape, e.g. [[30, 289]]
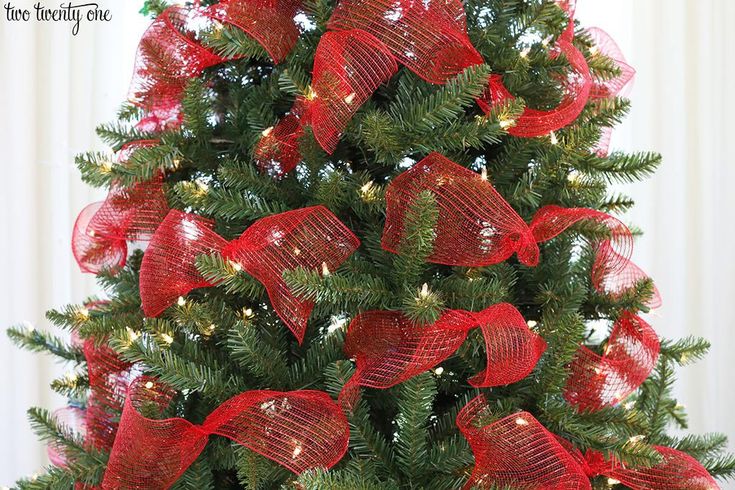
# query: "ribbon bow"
[[518, 451], [389, 348], [299, 430], [312, 238], [102, 229]]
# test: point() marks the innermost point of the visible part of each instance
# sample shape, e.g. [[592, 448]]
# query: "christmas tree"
[[367, 244]]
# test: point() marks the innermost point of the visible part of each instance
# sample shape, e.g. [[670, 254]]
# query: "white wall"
[[54, 89]]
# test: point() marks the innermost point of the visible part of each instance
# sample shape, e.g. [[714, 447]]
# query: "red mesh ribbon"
[[277, 151], [596, 381], [300, 430], [677, 471], [516, 451], [169, 55], [476, 226], [534, 122], [389, 348], [73, 420], [348, 67], [102, 229], [428, 37], [608, 89], [270, 22], [109, 378], [170, 52], [311, 238]]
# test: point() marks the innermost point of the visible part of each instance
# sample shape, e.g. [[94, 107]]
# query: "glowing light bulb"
[[132, 334], [525, 52], [424, 293], [531, 323], [506, 123], [521, 421], [267, 131], [149, 385], [325, 269], [248, 312], [235, 265], [350, 98], [553, 138], [438, 371], [636, 439], [297, 450], [483, 173], [297, 251], [613, 481], [181, 301], [167, 338]]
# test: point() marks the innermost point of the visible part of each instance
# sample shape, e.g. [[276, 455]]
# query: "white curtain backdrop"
[[54, 88]]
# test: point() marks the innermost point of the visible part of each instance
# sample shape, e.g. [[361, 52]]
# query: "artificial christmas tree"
[[363, 245]]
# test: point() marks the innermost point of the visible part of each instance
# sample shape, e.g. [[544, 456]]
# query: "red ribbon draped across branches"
[[518, 451], [310, 238], [299, 430], [128, 214], [389, 348], [477, 227]]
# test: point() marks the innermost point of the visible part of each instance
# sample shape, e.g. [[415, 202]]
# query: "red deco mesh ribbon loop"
[[109, 377], [534, 122], [277, 151], [597, 381], [476, 226], [311, 238], [299, 430], [516, 451], [428, 37], [389, 348], [270, 22], [348, 67], [609, 89], [102, 229], [169, 55], [677, 471]]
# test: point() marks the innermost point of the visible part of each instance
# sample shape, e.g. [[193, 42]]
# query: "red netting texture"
[[389, 348], [109, 378], [270, 22], [348, 67], [535, 122], [299, 430], [476, 226], [73, 421], [677, 471], [596, 381], [127, 214], [428, 37], [169, 54], [310, 238], [277, 151], [609, 89], [516, 451], [169, 268]]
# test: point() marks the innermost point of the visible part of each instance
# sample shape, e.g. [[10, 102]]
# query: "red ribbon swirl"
[[389, 348], [311, 238], [518, 451], [299, 430]]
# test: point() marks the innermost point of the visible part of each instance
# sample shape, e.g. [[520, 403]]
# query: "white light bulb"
[[149, 385], [350, 98], [438, 371], [483, 173], [267, 131], [521, 421], [181, 301], [531, 323], [553, 138], [325, 269], [167, 338], [235, 265]]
